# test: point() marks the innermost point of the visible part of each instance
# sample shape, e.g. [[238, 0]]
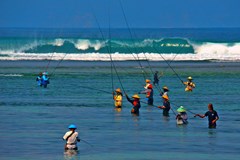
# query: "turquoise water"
[[33, 119], [220, 44]]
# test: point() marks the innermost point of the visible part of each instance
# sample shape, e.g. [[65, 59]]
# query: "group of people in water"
[[71, 136], [43, 79], [181, 117]]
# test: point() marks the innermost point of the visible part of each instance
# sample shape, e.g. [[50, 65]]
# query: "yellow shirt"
[[189, 86], [118, 100]]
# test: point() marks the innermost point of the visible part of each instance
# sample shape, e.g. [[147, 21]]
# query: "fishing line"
[[131, 35], [110, 48], [125, 18], [169, 66], [86, 142], [158, 108], [114, 67], [186, 109]]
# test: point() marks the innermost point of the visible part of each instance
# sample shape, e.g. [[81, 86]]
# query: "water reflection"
[[71, 155]]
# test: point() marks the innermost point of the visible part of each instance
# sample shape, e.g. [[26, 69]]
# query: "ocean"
[[221, 44], [34, 119]]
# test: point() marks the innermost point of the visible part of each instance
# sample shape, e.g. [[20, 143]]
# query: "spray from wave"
[[95, 49]]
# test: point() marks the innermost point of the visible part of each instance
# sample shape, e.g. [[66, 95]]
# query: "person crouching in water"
[[166, 106], [212, 116], [181, 116], [189, 85], [71, 138], [149, 94], [136, 103], [117, 99]]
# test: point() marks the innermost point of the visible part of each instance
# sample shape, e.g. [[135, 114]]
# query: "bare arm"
[[199, 115]]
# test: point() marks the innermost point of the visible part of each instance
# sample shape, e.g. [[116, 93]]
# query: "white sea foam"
[[11, 75], [86, 44], [58, 42], [205, 51], [122, 57]]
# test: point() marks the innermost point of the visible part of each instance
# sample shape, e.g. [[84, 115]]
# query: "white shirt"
[[72, 140]]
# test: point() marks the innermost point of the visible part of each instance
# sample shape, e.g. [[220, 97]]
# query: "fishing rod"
[[186, 109], [157, 107], [125, 18], [110, 49], [95, 89], [169, 66], [86, 142], [131, 35], [113, 65]]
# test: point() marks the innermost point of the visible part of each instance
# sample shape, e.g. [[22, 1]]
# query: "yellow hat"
[[165, 97], [118, 90], [148, 80], [136, 96], [190, 78], [165, 87]]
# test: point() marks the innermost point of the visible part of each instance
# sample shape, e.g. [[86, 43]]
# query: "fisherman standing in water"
[[45, 79], [212, 116], [155, 78], [149, 94], [135, 102], [189, 85], [181, 116], [147, 83], [118, 99], [166, 106], [39, 79], [165, 91], [71, 138]]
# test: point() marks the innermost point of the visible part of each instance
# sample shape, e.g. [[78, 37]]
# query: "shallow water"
[[33, 119]]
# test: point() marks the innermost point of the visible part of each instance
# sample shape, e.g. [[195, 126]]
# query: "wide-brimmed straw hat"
[[190, 78], [165, 88], [136, 96], [148, 80], [118, 90]]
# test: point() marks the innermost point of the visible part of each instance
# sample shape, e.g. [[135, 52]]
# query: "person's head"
[[148, 80], [156, 72], [72, 127], [210, 107], [190, 78], [181, 109], [118, 91], [40, 74], [136, 97], [165, 89]]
